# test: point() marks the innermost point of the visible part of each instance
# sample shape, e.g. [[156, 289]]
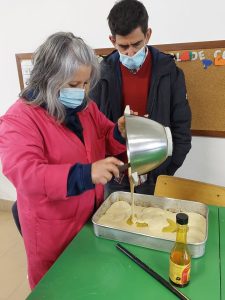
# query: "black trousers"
[[16, 216]]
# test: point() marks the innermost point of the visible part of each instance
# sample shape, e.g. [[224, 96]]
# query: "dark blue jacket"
[[167, 102]]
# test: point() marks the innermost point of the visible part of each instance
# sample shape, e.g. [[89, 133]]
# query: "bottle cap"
[[182, 218]]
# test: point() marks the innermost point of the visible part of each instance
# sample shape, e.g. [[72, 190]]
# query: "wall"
[[25, 24]]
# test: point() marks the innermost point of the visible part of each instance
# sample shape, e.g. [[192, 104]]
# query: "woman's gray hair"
[[55, 63]]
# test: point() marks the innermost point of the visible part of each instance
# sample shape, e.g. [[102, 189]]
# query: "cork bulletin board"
[[203, 64], [205, 81]]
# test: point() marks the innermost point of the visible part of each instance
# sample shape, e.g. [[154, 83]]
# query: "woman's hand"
[[103, 170]]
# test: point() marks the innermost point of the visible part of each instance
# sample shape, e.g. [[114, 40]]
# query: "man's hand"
[[121, 126], [103, 170]]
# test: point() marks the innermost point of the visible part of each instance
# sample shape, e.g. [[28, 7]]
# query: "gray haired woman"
[[53, 144]]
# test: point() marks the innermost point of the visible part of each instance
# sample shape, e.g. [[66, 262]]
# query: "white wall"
[[25, 24]]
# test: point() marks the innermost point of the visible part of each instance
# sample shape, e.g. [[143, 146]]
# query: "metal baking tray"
[[140, 239]]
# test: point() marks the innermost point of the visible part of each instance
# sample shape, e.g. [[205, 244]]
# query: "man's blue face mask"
[[71, 97], [135, 61]]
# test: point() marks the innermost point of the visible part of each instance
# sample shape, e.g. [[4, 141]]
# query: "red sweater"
[[135, 87]]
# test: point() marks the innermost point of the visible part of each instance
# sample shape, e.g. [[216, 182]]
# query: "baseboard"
[[6, 205]]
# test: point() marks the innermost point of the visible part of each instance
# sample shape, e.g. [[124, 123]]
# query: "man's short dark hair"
[[127, 15]]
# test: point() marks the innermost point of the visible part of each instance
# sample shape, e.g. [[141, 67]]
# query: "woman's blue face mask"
[[135, 61], [71, 97]]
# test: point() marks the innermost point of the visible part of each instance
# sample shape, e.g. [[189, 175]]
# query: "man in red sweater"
[[149, 81]]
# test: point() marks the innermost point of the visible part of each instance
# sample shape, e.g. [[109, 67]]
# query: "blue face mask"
[[135, 61], [71, 97]]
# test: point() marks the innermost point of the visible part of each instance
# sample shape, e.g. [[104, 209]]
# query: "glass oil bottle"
[[180, 258]]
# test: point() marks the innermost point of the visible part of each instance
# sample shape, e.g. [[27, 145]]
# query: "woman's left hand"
[[121, 126]]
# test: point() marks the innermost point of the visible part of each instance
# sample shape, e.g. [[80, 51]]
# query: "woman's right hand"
[[103, 170]]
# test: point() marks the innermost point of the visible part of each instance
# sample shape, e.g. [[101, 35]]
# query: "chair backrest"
[[186, 189]]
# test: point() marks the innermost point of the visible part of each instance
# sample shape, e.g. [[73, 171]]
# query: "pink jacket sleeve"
[[23, 160]]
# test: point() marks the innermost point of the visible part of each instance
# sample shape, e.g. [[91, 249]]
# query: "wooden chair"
[[182, 188]]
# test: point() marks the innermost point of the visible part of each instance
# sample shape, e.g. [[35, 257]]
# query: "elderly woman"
[[53, 144]]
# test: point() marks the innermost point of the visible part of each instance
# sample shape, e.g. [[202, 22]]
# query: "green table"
[[92, 268], [222, 250]]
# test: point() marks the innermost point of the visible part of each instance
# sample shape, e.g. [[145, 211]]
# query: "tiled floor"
[[13, 272]]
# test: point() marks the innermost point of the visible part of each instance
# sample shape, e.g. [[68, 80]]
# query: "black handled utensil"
[[123, 167], [152, 272]]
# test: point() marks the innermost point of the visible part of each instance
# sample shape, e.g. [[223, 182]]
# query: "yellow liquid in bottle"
[[180, 259]]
